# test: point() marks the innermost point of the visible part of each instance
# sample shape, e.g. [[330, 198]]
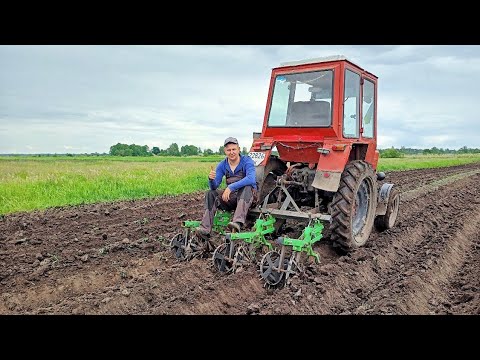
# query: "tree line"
[[173, 150], [192, 150], [401, 152], [188, 150]]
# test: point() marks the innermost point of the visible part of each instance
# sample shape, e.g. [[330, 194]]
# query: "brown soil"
[[113, 259]]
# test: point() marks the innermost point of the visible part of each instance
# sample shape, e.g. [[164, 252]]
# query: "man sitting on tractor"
[[239, 195]]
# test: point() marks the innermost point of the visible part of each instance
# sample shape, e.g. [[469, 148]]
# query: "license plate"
[[257, 157]]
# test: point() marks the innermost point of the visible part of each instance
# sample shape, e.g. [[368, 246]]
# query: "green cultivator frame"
[[277, 267], [187, 245], [241, 248]]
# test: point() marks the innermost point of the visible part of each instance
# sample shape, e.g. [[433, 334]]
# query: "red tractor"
[[316, 160], [316, 157]]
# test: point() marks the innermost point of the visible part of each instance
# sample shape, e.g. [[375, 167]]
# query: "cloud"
[[92, 97]]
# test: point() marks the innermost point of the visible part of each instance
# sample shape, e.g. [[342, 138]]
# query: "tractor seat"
[[310, 113]]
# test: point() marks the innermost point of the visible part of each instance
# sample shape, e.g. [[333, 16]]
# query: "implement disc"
[[178, 245], [223, 257], [269, 269]]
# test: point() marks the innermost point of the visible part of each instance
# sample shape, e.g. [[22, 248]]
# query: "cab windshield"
[[302, 100]]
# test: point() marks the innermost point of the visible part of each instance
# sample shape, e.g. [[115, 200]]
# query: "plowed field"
[[112, 259]]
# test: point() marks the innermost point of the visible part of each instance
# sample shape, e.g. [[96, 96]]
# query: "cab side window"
[[351, 104], [368, 108]]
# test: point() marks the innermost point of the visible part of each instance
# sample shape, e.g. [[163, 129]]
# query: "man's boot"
[[234, 226], [202, 233]]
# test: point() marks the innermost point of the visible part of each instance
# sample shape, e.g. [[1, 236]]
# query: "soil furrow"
[[112, 258]]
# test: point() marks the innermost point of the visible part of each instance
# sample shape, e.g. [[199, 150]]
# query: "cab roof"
[[317, 60], [322, 60]]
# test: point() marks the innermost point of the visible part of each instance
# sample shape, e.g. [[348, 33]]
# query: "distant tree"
[[136, 150], [436, 150], [207, 152], [146, 151], [173, 150], [244, 151], [155, 150], [119, 150], [129, 150], [391, 153], [189, 150], [220, 150]]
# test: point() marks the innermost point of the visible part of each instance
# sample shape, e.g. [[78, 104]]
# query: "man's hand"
[[212, 174], [226, 194]]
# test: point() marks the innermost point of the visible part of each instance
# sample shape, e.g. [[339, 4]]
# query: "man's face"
[[232, 151]]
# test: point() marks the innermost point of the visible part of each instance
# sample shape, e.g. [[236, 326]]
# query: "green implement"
[[220, 221], [233, 253], [276, 268], [187, 245]]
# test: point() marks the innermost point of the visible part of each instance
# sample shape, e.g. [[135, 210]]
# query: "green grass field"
[[425, 161], [30, 183]]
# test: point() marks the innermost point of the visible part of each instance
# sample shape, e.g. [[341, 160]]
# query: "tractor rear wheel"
[[353, 206]]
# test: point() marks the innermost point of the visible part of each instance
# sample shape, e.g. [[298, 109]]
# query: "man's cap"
[[230, 140]]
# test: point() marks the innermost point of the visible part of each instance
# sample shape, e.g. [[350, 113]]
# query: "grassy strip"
[[30, 183], [102, 158], [425, 162], [40, 185]]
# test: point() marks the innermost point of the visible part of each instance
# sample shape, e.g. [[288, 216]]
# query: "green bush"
[[391, 153]]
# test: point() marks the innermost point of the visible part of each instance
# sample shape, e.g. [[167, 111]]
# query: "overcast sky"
[[84, 99]]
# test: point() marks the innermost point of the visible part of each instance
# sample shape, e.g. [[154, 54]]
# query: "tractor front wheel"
[[274, 168], [387, 221], [353, 206]]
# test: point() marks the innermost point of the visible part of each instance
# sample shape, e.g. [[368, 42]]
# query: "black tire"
[[275, 167], [353, 206], [387, 221]]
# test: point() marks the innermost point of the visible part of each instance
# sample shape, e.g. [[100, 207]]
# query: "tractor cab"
[[316, 156], [321, 112]]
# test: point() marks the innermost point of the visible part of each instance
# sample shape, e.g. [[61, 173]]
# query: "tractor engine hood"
[[326, 155], [293, 148]]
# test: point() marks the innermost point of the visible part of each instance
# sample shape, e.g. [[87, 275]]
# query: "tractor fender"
[[383, 198], [330, 167]]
